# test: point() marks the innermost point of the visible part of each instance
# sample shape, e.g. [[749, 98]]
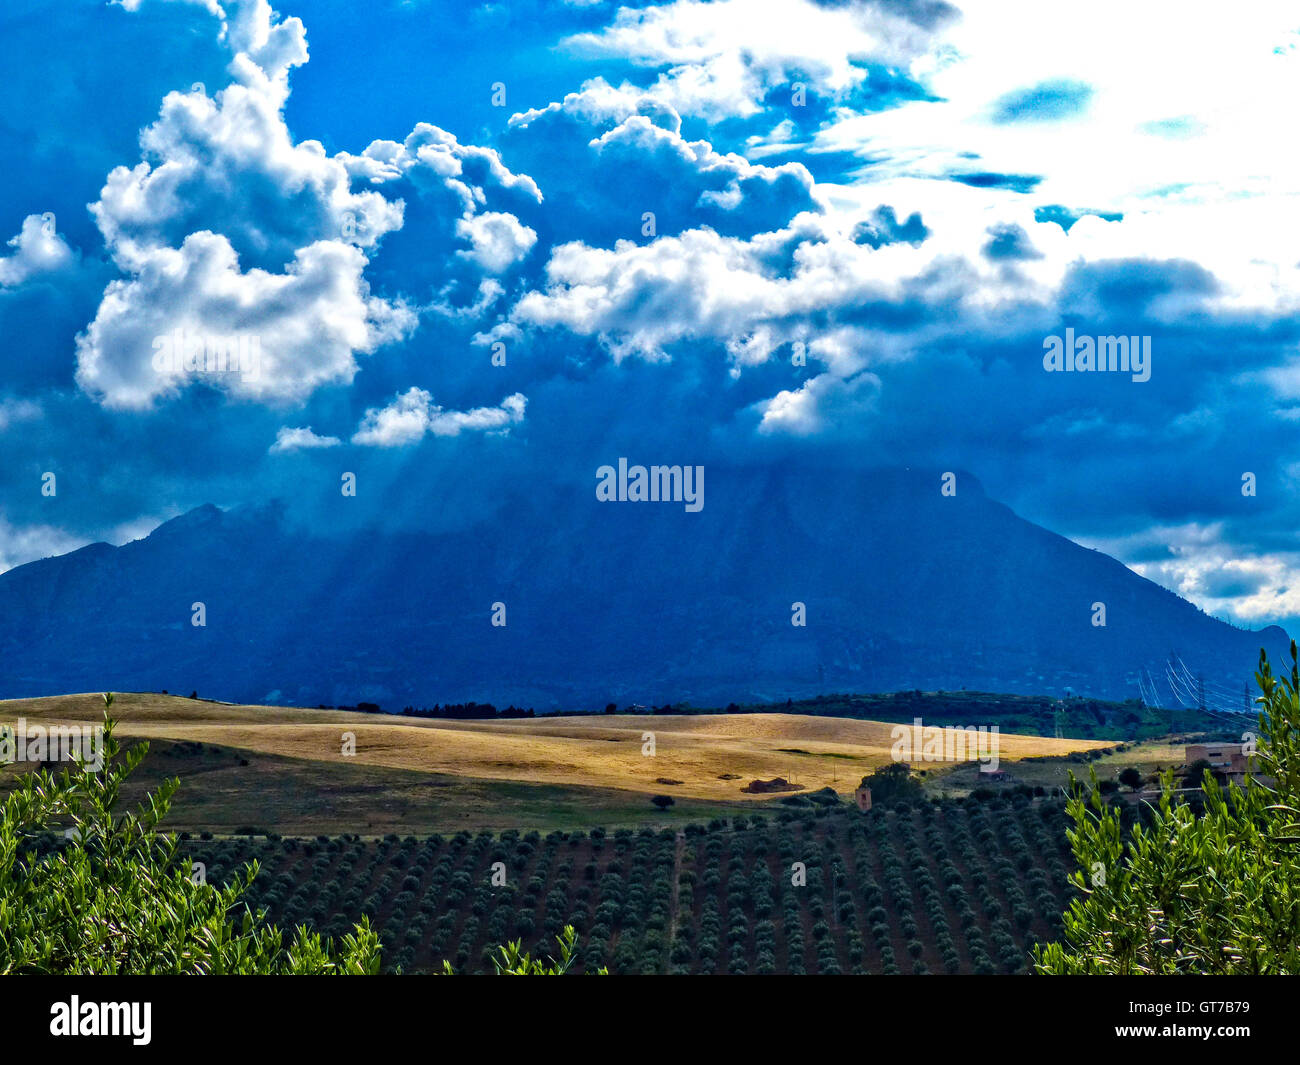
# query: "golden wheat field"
[[701, 757]]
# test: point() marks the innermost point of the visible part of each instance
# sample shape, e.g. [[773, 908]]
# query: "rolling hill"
[[708, 758]]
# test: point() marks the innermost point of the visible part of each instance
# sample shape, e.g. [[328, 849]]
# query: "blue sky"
[[914, 194]]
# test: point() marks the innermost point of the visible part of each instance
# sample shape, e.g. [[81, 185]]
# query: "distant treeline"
[[467, 711], [1041, 714], [457, 711], [1033, 714]]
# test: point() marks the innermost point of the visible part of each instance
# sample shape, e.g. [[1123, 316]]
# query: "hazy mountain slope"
[[904, 588]]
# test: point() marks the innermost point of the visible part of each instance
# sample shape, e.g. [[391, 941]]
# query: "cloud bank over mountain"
[[489, 252]]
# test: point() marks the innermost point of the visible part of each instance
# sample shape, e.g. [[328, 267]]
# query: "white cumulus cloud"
[[305, 438], [307, 323], [38, 249], [413, 413]]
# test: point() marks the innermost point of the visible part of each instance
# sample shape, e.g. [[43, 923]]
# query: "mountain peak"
[[200, 517]]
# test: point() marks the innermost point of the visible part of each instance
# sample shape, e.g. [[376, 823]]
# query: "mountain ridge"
[[902, 588]]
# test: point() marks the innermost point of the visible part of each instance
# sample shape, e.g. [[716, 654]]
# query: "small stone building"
[[863, 798]]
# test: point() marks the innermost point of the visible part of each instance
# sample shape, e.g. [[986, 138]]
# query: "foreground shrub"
[[510, 960], [1219, 893], [116, 897]]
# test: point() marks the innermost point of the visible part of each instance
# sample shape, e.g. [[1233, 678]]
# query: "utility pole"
[[1200, 690]]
